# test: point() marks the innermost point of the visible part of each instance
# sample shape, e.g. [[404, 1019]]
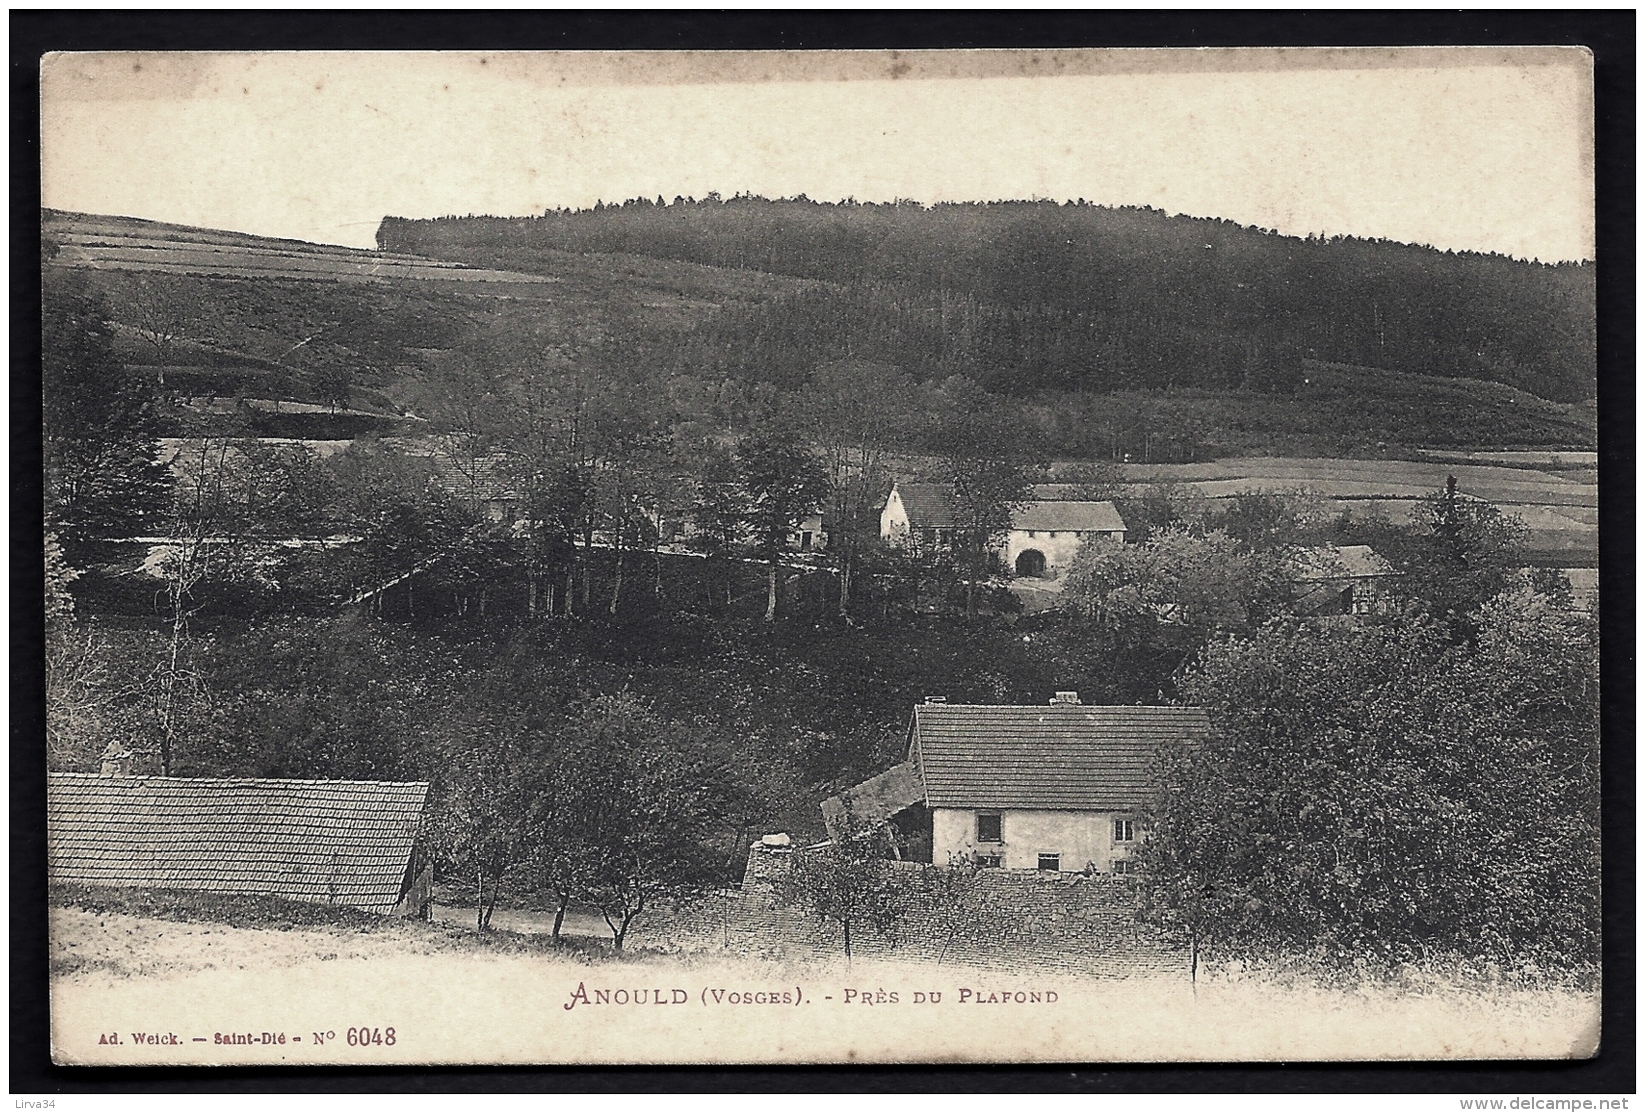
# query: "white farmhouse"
[[1045, 533], [1061, 787]]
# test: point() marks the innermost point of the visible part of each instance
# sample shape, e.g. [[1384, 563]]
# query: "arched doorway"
[[1031, 562]]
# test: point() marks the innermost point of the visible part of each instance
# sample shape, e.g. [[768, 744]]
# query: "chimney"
[[936, 699], [1065, 697], [114, 760]]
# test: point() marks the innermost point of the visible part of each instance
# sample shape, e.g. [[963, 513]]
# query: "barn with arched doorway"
[[1031, 563], [1045, 533]]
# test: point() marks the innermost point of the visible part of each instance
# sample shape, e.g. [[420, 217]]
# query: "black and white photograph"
[[974, 556]]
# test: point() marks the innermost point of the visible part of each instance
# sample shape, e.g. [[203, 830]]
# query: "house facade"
[[1044, 537], [810, 534], [1062, 787]]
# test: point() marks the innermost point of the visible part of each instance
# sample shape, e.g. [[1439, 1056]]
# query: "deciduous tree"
[[639, 798], [850, 881], [1388, 794], [784, 484], [991, 469]]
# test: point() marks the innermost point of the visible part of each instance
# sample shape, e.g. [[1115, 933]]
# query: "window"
[[1122, 865], [1053, 533], [1031, 533], [1123, 831], [988, 861], [1051, 862], [988, 827]]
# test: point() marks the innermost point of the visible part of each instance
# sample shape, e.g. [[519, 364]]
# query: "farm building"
[[810, 535], [1334, 580], [1584, 587], [1044, 536], [1062, 787], [353, 843]]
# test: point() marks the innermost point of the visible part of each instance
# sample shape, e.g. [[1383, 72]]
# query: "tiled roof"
[[1340, 562], [1063, 492], [331, 842], [484, 479], [878, 798], [1072, 516], [929, 505], [1057, 756]]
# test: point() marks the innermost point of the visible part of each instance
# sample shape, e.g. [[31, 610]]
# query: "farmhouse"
[[1336, 580], [1062, 787], [810, 534], [1044, 536], [353, 843]]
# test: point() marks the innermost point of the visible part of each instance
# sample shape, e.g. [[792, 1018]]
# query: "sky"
[[1480, 149]]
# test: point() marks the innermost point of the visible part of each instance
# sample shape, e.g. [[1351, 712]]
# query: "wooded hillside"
[[1033, 296]]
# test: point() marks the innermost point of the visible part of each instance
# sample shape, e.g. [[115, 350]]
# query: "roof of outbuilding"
[[1340, 562], [338, 842], [928, 505], [931, 506], [1057, 756], [878, 798], [1078, 517]]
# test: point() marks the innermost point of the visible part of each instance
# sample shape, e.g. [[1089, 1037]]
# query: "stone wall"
[[1014, 919]]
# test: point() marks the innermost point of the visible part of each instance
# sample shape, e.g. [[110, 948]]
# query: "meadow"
[[453, 996]]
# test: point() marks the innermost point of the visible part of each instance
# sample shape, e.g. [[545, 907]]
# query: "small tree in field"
[[949, 895], [784, 483], [481, 816], [638, 799], [849, 881]]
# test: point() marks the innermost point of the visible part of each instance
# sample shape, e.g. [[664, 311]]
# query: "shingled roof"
[[1076, 517], [931, 506], [1340, 562], [1057, 756], [330, 842], [928, 505], [877, 799]]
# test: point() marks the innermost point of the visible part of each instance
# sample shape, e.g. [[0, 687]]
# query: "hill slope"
[[209, 313], [226, 312], [1027, 296]]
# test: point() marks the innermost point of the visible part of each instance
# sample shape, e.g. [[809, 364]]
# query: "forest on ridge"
[[1026, 297]]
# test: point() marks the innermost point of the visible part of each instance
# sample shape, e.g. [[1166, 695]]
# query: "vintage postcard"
[[926, 557]]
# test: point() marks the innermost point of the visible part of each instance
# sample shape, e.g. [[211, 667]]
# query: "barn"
[[1044, 537], [351, 843]]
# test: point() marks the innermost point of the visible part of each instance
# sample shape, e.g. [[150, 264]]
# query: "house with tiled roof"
[[353, 843], [1062, 787], [1045, 533], [1330, 581]]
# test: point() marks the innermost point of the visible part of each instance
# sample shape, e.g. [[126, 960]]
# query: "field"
[[453, 996], [1556, 495], [104, 243]]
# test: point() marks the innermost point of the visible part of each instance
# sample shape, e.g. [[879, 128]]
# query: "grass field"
[[454, 996], [1557, 502]]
